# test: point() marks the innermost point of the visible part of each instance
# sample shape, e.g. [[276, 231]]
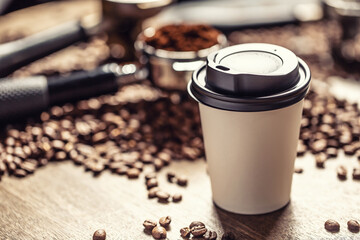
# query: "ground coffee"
[[184, 37]]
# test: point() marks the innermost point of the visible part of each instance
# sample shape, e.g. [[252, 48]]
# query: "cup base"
[[253, 212]]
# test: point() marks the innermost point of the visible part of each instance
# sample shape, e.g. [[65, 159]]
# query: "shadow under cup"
[[250, 118]]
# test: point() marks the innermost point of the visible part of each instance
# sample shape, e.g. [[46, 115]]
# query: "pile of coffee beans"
[[119, 132], [184, 37], [329, 124], [333, 226]]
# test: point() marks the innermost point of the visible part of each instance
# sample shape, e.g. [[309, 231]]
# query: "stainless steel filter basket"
[[172, 70]]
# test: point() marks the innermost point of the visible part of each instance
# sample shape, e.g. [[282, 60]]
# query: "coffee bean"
[[122, 170], [177, 197], [320, 160], [210, 235], [332, 225], [198, 231], [298, 170], [28, 166], [332, 152], [133, 173], [341, 172], [151, 183], [353, 226], [170, 176], [182, 180], [165, 221], [99, 234], [162, 196], [319, 146], [185, 232], [349, 150], [158, 164], [158, 232], [149, 224], [57, 144], [20, 173], [196, 224], [152, 192], [356, 173], [150, 176]]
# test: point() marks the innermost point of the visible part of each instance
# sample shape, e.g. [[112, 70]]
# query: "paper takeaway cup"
[[250, 98]]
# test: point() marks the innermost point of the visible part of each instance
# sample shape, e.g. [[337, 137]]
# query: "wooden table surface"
[[62, 201]]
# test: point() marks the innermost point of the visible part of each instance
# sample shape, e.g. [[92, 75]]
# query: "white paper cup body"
[[251, 156]]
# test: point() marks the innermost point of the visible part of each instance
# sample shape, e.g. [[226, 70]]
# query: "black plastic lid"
[[251, 77]]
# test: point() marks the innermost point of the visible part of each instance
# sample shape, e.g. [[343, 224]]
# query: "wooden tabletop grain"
[[62, 201]]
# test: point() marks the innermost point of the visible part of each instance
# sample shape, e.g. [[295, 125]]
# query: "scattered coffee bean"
[[332, 225], [349, 150], [177, 197], [150, 175], [332, 152], [170, 176], [198, 231], [162, 196], [185, 232], [196, 224], [20, 173], [210, 235], [182, 180], [320, 160], [353, 226], [151, 183], [152, 192], [356, 173], [149, 224], [228, 236], [341, 172], [158, 232], [133, 173], [298, 170], [165, 221], [99, 235]]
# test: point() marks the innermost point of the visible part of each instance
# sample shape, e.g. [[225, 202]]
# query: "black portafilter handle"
[[18, 53], [25, 96]]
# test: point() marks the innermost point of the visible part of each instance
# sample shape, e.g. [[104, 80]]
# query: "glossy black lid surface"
[[251, 77]]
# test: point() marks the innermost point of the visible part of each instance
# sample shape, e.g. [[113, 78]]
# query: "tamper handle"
[[16, 54]]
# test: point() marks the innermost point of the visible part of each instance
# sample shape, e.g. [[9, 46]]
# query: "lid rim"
[[251, 104]]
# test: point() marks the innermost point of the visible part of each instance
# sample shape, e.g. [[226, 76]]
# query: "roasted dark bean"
[[99, 235], [298, 170], [151, 183], [177, 197], [341, 172], [165, 221], [332, 225], [185, 232], [159, 232], [170, 176], [320, 160], [356, 173], [162, 196], [133, 173], [152, 192], [198, 231], [149, 224], [353, 226], [182, 180], [210, 235]]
